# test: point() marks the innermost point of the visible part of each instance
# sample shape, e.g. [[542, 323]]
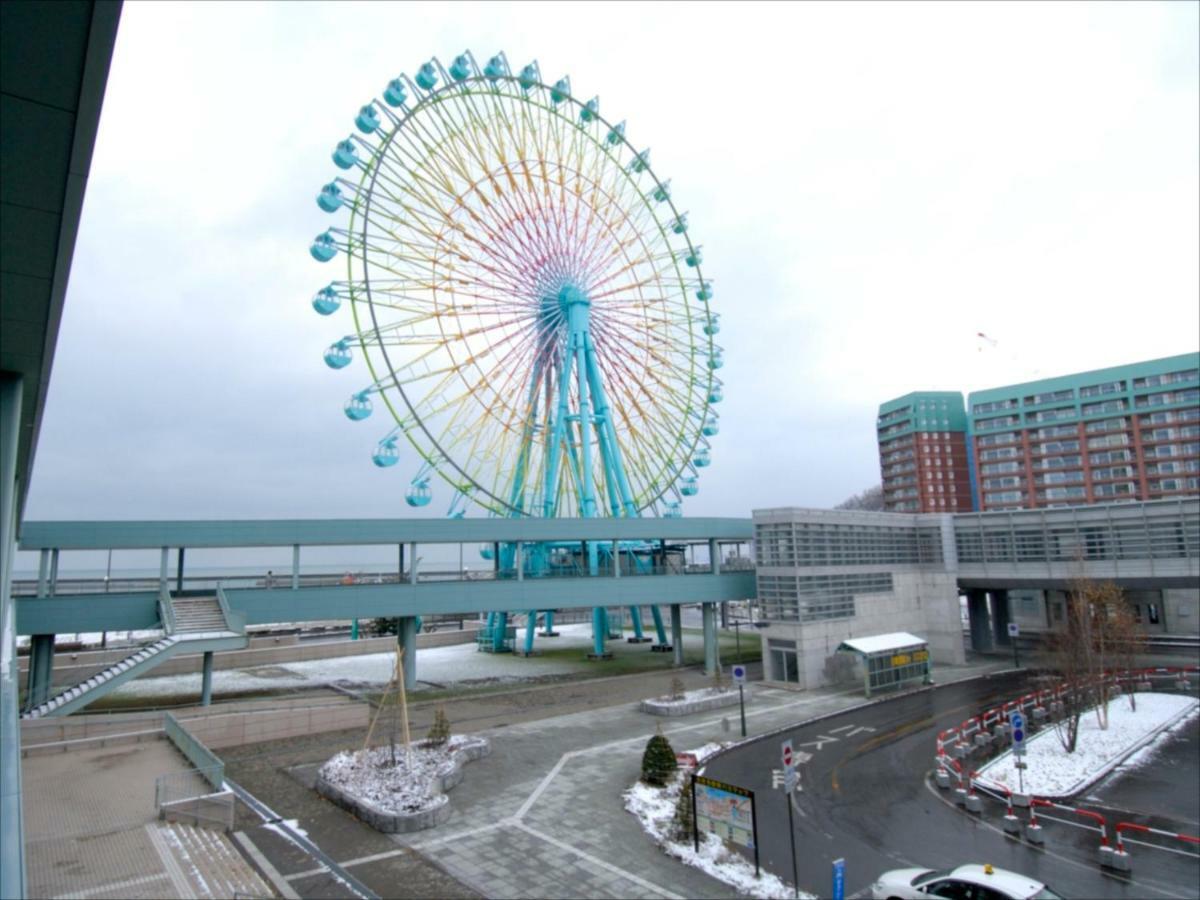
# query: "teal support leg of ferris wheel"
[[548, 626], [554, 447], [530, 625], [635, 615], [577, 306], [500, 632], [615, 473], [658, 626], [599, 633]]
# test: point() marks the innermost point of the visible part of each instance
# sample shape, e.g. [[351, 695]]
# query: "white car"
[[971, 882]]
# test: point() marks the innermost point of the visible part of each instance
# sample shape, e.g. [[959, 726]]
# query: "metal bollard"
[[1021, 800], [982, 739], [1106, 855], [1119, 861], [974, 803], [1039, 713], [1033, 834], [1012, 825], [960, 796], [942, 778]]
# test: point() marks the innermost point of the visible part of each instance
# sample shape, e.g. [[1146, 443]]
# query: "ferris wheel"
[[525, 295]]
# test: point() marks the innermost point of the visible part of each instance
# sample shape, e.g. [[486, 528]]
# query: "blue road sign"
[[839, 879], [1018, 726]]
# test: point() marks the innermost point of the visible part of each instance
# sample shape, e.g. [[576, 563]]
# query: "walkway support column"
[[406, 634], [41, 669], [413, 564], [677, 633], [711, 657], [12, 835], [977, 613], [206, 679], [163, 559], [1000, 617], [295, 567]]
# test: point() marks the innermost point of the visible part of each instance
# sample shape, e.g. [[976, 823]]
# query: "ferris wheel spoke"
[[476, 209]]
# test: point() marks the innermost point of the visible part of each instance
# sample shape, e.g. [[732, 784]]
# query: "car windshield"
[[1045, 894], [926, 877]]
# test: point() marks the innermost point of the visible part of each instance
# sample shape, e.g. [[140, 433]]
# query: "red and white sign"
[[686, 760], [787, 755]]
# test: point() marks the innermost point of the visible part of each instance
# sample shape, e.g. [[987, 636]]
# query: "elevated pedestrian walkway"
[[190, 625]]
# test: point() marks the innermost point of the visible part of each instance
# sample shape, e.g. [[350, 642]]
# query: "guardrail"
[[959, 742], [201, 757], [235, 621], [166, 612], [180, 795]]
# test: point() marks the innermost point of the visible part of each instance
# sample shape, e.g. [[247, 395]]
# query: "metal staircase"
[[190, 625]]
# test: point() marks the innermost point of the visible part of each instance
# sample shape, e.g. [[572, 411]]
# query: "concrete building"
[[827, 575], [923, 453], [1124, 433]]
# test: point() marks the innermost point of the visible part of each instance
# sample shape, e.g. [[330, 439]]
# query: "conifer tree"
[[684, 821], [658, 762]]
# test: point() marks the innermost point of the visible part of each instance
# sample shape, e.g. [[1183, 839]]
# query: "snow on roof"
[[881, 642]]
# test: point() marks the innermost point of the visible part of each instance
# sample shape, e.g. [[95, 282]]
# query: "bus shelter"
[[890, 660]]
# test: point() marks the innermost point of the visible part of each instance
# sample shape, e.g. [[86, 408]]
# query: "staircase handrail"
[[166, 611], [235, 621]]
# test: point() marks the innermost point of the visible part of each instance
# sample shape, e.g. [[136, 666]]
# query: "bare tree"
[[870, 499], [1099, 635]]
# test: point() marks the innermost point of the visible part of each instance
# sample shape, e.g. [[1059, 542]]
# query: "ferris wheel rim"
[[440, 457]]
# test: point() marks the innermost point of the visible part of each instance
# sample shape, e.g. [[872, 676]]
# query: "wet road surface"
[[866, 797]]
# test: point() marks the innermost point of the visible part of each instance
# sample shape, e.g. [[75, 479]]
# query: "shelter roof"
[[881, 643]]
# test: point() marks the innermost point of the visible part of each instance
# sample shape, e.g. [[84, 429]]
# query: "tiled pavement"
[[543, 815]]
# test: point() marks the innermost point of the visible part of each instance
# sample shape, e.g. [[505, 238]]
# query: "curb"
[[837, 712], [406, 822]]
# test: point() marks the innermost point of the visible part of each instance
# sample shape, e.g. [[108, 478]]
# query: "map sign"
[[725, 810]]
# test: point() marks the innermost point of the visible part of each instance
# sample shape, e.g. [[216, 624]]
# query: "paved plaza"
[[543, 815]]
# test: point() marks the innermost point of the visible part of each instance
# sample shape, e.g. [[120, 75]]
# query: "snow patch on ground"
[[411, 785], [655, 809], [1052, 772], [692, 696], [458, 664]]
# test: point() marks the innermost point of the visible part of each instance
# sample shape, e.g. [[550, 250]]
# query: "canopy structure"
[[890, 660]]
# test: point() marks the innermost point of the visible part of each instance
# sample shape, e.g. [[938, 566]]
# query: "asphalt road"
[[866, 798]]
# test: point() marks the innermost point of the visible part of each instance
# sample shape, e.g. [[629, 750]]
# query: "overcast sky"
[[872, 184]]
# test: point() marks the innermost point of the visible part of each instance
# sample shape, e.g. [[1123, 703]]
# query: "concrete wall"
[[923, 603], [235, 729], [1182, 607], [226, 726]]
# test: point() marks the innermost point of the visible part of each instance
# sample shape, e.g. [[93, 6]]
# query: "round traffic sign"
[[1018, 735]]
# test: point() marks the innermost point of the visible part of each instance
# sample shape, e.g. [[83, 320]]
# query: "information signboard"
[[725, 810]]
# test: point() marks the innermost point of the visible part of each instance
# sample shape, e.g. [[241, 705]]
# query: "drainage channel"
[[270, 817]]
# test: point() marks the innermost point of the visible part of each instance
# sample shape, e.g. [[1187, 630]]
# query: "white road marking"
[[603, 864], [114, 886]]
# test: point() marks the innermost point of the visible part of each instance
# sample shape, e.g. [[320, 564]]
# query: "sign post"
[[1017, 720], [787, 798], [1013, 631], [739, 678], [839, 879]]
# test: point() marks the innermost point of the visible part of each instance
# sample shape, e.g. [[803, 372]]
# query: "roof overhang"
[[54, 62]]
